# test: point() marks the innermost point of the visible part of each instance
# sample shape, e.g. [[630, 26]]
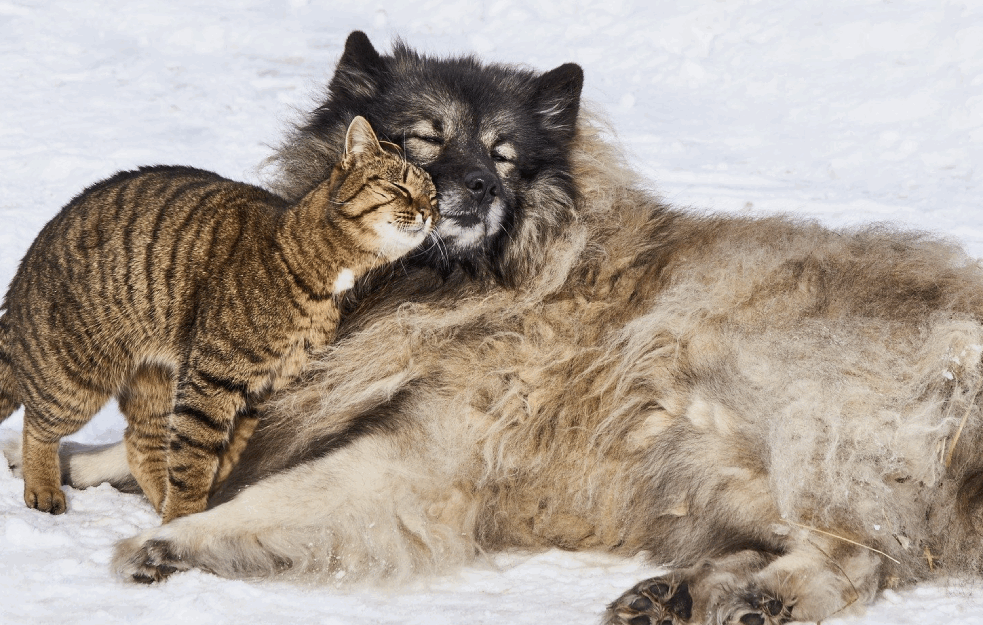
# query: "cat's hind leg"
[[41, 470], [147, 402], [44, 427], [9, 400]]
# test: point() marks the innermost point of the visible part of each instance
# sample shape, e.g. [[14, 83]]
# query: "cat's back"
[[140, 212], [139, 241], [155, 196]]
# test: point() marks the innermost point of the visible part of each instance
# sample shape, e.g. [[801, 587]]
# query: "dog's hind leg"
[[817, 577], [684, 595], [84, 465], [90, 465]]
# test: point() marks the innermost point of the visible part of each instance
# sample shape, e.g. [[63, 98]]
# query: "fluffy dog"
[[786, 415]]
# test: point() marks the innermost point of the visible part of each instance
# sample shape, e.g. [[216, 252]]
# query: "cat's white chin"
[[399, 241]]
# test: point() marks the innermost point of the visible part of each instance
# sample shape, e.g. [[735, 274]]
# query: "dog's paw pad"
[[147, 562], [656, 601], [756, 608]]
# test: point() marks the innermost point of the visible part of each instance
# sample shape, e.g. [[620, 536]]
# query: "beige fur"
[[766, 404], [670, 382]]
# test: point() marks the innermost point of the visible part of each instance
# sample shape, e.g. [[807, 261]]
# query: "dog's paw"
[[657, 601], [753, 607], [146, 561]]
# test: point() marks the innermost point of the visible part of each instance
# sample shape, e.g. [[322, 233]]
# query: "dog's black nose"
[[482, 184]]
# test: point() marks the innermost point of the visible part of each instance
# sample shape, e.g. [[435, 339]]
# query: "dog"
[[786, 415]]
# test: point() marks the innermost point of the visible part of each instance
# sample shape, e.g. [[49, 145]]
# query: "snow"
[[847, 110]]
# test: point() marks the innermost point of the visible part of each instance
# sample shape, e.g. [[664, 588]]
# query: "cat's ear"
[[558, 97], [361, 139]]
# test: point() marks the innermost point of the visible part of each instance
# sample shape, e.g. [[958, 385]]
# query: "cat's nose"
[[426, 209]]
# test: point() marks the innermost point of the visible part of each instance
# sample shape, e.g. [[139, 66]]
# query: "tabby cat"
[[187, 296]]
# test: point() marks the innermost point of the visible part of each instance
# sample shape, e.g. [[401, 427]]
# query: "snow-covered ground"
[[848, 110]]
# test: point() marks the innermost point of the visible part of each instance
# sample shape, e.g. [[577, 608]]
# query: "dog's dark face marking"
[[493, 138]]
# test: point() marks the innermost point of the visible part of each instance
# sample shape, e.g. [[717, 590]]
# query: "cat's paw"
[[45, 498], [146, 561]]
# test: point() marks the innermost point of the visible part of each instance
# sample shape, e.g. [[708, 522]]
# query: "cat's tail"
[[8, 385]]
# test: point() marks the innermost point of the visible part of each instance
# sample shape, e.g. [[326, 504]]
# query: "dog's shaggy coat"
[[787, 415]]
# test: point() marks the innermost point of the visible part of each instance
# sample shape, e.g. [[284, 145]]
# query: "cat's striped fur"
[[187, 296]]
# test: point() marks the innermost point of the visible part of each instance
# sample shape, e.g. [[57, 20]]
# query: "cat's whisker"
[[439, 245]]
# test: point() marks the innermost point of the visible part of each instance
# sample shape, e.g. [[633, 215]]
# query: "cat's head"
[[495, 138], [388, 204]]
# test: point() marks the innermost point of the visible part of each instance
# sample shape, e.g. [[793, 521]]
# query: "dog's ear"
[[360, 54], [558, 97], [359, 69]]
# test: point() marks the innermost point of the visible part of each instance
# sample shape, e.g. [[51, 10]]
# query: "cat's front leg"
[[199, 433]]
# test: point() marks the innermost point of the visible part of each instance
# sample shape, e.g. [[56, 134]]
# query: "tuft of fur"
[[787, 414]]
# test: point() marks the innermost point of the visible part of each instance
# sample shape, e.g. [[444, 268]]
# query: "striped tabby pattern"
[[187, 297]]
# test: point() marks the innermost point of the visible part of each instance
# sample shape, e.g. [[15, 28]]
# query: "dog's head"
[[494, 138]]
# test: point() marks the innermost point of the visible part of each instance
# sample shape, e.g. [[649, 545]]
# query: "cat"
[[187, 297]]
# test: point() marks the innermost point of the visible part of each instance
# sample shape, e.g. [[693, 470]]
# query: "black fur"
[[467, 102]]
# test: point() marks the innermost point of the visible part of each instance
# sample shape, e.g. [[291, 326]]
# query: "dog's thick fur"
[[787, 415]]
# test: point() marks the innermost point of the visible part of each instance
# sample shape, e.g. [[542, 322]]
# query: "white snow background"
[[846, 110]]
